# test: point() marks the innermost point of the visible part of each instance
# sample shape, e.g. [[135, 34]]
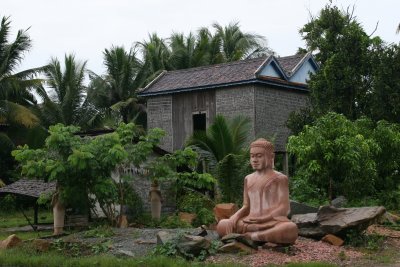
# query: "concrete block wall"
[[159, 114], [233, 101], [272, 109]]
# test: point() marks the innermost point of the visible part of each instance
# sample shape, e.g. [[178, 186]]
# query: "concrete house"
[[265, 89]]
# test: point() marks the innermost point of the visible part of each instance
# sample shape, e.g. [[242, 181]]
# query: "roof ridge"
[[237, 62], [293, 56]]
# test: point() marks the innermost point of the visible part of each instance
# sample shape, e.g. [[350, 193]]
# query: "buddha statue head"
[[262, 154]]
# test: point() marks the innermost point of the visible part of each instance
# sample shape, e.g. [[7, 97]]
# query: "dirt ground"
[[307, 250], [139, 242]]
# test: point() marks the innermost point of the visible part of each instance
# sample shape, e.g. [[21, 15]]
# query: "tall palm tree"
[[189, 51], [222, 137], [237, 45], [156, 55], [115, 92], [16, 87], [66, 101]]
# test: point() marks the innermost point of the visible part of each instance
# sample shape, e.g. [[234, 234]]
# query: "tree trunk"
[[58, 215]]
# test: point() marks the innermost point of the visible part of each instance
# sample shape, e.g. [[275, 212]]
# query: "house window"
[[199, 122]]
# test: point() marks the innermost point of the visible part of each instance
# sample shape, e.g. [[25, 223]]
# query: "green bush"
[[7, 203], [361, 239], [336, 156], [173, 221], [100, 231], [204, 217], [193, 201], [231, 171]]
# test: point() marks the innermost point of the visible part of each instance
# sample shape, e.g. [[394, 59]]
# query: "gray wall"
[[184, 105], [267, 107], [234, 101], [159, 114], [272, 110]]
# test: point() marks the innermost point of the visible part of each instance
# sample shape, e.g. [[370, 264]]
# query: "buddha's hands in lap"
[[251, 220], [257, 220]]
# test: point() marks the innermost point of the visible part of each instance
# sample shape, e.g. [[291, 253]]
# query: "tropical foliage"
[[222, 148], [16, 87], [357, 72], [114, 93], [83, 167], [67, 101], [336, 156], [222, 137]]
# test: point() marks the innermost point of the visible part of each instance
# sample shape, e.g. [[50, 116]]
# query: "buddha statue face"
[[261, 155]]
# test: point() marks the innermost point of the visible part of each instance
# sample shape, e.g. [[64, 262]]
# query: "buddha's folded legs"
[[281, 233], [225, 226]]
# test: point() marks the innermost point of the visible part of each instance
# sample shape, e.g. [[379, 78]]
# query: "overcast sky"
[[87, 27]]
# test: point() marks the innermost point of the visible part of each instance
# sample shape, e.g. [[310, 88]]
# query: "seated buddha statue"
[[263, 216]]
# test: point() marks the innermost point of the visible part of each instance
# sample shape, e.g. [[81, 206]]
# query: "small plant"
[[361, 239], [342, 256], [173, 248], [168, 249], [74, 249], [101, 247], [100, 232]]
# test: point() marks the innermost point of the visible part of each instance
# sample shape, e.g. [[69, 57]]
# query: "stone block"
[[333, 240], [10, 242], [224, 211]]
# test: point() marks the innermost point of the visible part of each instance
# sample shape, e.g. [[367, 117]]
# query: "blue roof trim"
[[269, 61], [212, 86]]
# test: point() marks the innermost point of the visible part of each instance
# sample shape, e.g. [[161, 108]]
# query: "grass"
[[26, 235], [305, 264], [17, 219], [27, 257]]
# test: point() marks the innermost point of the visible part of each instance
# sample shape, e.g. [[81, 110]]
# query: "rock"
[[127, 253], [229, 238], [224, 211], [189, 244], [146, 242], [305, 220], [236, 247], [41, 245], [123, 221], [339, 202], [163, 237], [333, 240], [308, 225], [200, 231], [212, 235], [187, 217], [300, 208], [336, 221], [10, 242], [389, 218]]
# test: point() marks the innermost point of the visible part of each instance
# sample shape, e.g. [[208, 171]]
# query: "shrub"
[[231, 171]]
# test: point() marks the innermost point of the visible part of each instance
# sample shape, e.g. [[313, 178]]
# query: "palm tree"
[[222, 137], [156, 56], [189, 51], [16, 87], [67, 102], [236, 45], [115, 92]]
